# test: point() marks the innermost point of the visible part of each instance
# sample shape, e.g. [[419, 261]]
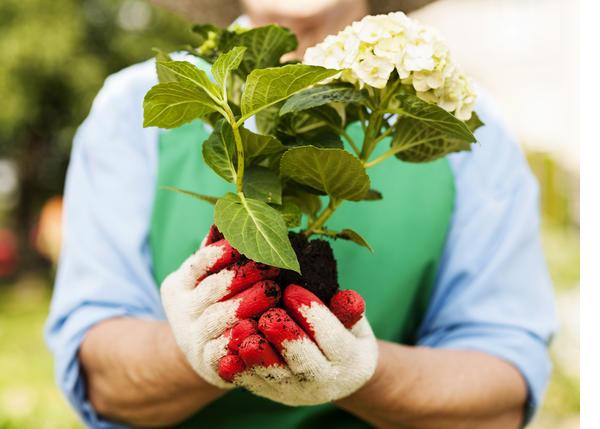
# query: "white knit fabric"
[[195, 314], [343, 361]]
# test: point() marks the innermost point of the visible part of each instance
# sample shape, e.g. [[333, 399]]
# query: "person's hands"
[[207, 295], [322, 361]]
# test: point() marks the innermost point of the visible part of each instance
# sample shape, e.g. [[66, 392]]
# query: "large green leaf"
[[262, 184], [184, 71], [258, 146], [256, 230], [425, 132], [320, 95], [265, 46], [434, 117], [227, 62], [265, 87], [323, 137], [415, 141], [163, 74], [219, 151], [333, 171], [171, 104]]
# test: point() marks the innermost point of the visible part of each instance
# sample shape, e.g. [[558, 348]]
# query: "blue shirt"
[[492, 293]]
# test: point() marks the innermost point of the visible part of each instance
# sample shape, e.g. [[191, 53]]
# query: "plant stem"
[[383, 135], [239, 148], [371, 133], [325, 214], [362, 119]]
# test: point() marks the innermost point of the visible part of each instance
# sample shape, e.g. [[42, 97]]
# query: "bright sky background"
[[524, 52]]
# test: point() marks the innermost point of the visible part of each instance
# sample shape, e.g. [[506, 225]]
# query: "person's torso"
[[406, 229]]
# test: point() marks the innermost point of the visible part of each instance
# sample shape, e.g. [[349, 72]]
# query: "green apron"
[[407, 230]]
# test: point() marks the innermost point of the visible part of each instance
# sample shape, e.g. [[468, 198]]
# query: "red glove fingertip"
[[248, 274], [239, 332], [229, 256], [348, 306], [213, 235], [255, 350], [277, 326], [230, 366], [257, 299], [295, 297]]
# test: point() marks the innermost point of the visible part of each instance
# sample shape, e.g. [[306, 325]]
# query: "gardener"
[[457, 292]]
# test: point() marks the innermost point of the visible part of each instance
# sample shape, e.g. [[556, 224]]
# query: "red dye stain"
[[229, 256], [277, 326], [230, 366], [239, 332], [348, 306], [295, 297], [213, 235], [255, 350], [257, 299], [248, 274]]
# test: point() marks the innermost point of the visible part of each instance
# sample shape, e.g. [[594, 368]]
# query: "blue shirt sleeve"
[[105, 266], [493, 292]]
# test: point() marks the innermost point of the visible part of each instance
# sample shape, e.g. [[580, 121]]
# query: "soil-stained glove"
[[308, 355], [207, 295]]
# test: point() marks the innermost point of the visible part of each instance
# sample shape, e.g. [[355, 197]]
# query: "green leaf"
[[307, 202], [184, 71], [290, 212], [324, 138], [425, 132], [333, 171], [265, 87], [258, 146], [265, 46], [320, 95], [219, 151], [201, 197], [171, 104], [349, 234], [474, 123], [434, 117], [373, 195], [267, 120], [262, 184], [163, 74], [256, 230], [225, 63]]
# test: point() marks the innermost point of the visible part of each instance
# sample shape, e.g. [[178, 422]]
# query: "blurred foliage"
[[55, 56], [29, 398]]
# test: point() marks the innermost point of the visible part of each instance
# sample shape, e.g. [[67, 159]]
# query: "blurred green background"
[[55, 56]]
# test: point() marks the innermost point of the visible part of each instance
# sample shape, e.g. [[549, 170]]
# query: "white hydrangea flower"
[[368, 51]]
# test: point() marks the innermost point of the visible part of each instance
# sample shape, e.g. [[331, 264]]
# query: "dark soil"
[[318, 266]]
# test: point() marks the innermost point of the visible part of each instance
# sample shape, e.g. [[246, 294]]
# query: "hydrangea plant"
[[388, 73]]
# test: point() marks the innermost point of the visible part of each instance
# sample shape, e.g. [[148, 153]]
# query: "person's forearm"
[[424, 388], [136, 374]]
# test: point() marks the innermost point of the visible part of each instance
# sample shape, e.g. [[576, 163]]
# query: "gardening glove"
[[306, 353], [207, 295]]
